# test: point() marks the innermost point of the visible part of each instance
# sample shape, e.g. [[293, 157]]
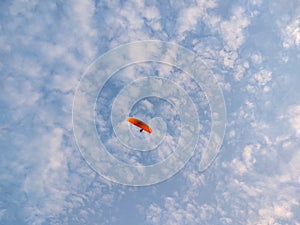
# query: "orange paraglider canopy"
[[140, 124]]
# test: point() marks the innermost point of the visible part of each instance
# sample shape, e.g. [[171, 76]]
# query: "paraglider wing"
[[140, 124]]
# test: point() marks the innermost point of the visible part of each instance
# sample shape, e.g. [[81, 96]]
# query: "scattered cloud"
[[45, 47], [291, 33], [295, 118], [233, 30], [190, 16], [263, 77]]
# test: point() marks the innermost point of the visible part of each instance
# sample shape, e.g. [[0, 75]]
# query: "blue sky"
[[250, 47]]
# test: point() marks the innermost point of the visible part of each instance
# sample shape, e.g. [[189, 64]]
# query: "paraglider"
[[140, 124]]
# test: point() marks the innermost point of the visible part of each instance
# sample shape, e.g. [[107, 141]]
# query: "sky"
[[70, 74]]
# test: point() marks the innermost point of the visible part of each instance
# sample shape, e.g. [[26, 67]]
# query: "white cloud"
[[131, 21], [58, 181], [233, 34], [190, 16], [247, 155], [133, 18], [229, 57], [295, 118], [48, 179], [291, 33], [250, 190], [195, 180], [233, 29], [154, 214], [239, 166], [21, 94], [279, 210], [47, 47], [240, 70], [206, 212], [256, 58], [153, 17], [175, 212], [263, 77]]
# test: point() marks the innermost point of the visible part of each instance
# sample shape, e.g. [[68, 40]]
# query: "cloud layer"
[[251, 47]]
